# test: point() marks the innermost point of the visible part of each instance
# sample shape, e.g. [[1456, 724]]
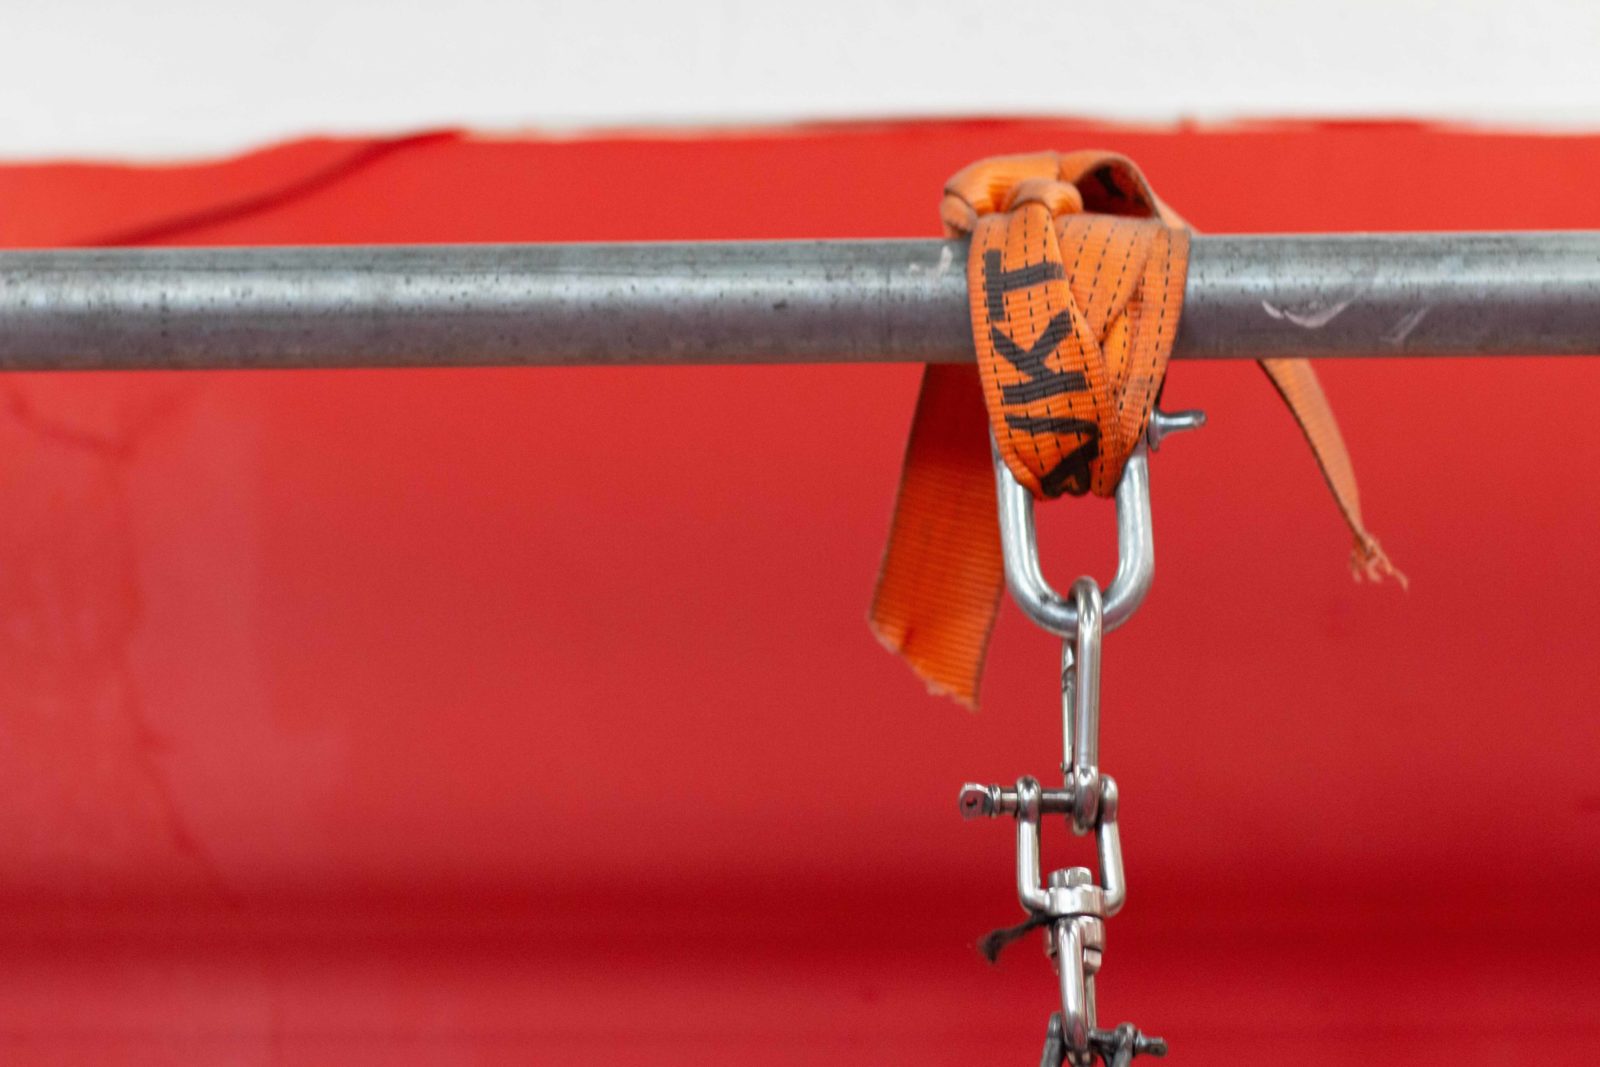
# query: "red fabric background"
[[385, 717]]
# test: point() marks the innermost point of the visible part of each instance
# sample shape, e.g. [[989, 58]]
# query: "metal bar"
[[765, 302]]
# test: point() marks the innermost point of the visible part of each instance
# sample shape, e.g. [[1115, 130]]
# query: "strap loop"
[[1075, 277], [1071, 352]]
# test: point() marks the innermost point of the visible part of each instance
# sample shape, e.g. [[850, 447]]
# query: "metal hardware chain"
[[1071, 905]]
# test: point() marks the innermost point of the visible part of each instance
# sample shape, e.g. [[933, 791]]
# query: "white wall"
[[174, 78]]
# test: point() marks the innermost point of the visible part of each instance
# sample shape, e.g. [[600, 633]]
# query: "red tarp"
[[404, 717]]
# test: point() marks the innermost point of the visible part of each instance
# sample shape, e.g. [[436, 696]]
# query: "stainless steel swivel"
[[1071, 905]]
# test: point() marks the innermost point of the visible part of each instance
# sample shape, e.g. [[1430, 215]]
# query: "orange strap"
[[1076, 277]]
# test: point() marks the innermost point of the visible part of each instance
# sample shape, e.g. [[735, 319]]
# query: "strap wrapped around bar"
[[1075, 278]]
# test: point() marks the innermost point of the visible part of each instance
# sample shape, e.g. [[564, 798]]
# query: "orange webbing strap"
[[1076, 277]]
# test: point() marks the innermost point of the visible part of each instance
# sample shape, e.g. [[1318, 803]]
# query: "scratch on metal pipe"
[[946, 258], [1408, 322], [1314, 316]]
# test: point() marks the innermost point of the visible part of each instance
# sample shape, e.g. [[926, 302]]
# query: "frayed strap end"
[[1368, 562]]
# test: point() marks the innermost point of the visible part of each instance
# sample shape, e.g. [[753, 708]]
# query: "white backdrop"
[[154, 79]]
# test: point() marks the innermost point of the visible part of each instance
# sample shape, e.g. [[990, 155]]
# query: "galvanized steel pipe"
[[759, 302]]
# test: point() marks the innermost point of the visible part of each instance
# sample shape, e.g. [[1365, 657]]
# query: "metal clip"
[[1019, 542], [1080, 706], [1136, 553]]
